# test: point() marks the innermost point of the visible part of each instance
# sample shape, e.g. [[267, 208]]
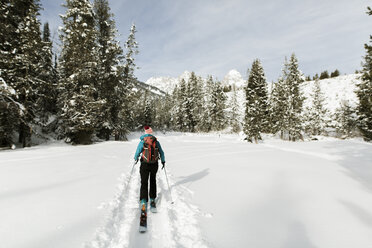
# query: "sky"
[[211, 37]]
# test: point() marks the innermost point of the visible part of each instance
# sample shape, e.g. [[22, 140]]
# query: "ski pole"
[[131, 172], [170, 192], [130, 176]]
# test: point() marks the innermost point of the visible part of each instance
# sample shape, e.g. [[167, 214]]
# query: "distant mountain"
[[167, 84], [234, 78], [152, 89]]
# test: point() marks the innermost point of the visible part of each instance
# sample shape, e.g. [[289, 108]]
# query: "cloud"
[[211, 37]]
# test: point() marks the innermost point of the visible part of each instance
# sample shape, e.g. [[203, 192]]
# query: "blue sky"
[[212, 37]]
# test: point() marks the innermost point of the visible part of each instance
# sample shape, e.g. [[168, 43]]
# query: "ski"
[[153, 207], [143, 219]]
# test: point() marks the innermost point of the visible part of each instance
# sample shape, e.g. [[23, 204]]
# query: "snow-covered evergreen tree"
[[9, 39], [163, 107], [218, 106], [293, 78], [207, 121], [346, 119], [124, 89], [279, 106], [364, 93], [317, 115], [176, 113], [256, 109], [234, 119], [145, 110], [196, 97], [79, 100], [9, 117], [110, 70], [10, 113], [188, 107], [182, 124], [47, 99], [20, 61]]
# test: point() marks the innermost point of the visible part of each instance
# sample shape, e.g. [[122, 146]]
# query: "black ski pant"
[[148, 170]]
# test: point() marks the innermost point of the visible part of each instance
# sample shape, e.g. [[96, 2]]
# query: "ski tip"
[[142, 229], [153, 210]]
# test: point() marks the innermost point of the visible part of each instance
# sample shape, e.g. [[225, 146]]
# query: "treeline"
[[86, 91], [324, 75], [203, 105], [195, 105]]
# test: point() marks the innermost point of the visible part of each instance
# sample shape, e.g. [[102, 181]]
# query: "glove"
[[136, 161], [163, 163]]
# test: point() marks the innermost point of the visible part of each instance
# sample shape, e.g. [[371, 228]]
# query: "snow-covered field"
[[227, 193]]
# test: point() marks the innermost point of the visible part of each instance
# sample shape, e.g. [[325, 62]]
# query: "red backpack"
[[150, 153]]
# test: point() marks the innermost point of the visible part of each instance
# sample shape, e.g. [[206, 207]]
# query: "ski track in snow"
[[174, 225]]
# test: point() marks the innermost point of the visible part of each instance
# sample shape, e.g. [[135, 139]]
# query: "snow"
[[5, 87], [167, 84], [233, 77], [226, 192], [335, 90]]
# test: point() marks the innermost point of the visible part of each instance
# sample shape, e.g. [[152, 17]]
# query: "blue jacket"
[[140, 148]]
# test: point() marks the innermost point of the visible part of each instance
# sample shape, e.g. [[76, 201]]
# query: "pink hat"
[[148, 130]]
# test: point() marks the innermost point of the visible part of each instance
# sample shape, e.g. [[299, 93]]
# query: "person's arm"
[[162, 157], [139, 150]]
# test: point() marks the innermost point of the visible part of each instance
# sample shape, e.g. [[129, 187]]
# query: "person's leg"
[[153, 170], [144, 170]]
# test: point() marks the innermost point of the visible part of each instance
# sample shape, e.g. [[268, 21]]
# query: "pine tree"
[[124, 89], [182, 105], [336, 73], [10, 112], [279, 107], [234, 120], [293, 79], [324, 75], [207, 119], [188, 107], [364, 93], [9, 117], [163, 115], [48, 94], [315, 77], [24, 74], [9, 40], [176, 116], [256, 109], [81, 107], [286, 102], [146, 110], [347, 119], [109, 65], [316, 115], [218, 106], [196, 98]]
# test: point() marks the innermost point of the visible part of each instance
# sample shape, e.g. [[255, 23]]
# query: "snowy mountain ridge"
[[167, 84]]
